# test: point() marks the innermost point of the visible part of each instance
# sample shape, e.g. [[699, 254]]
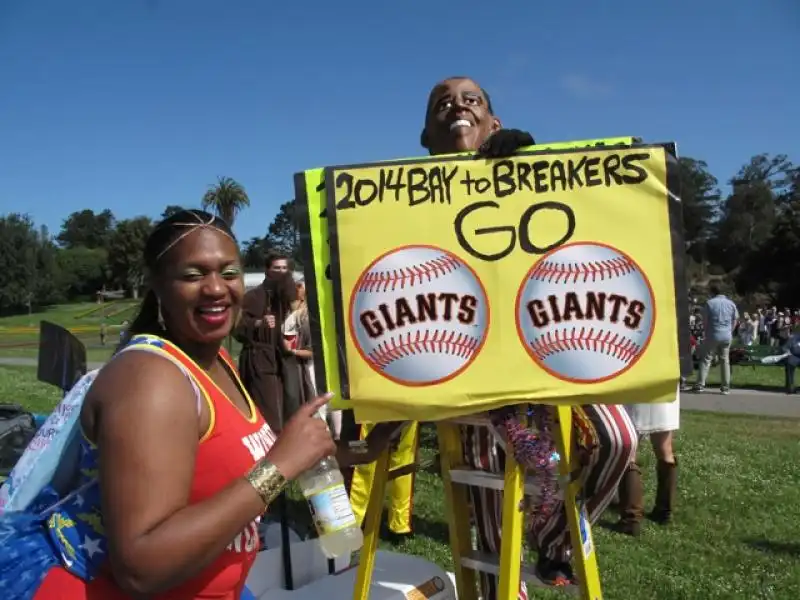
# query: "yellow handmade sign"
[[461, 285]]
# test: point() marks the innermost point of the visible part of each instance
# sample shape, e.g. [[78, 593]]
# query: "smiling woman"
[[167, 413]]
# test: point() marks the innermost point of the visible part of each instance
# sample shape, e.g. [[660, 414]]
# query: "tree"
[[47, 287], [171, 209], [772, 270], [283, 234], [226, 198], [82, 271], [87, 229], [125, 253], [254, 253], [748, 214], [700, 198], [18, 262]]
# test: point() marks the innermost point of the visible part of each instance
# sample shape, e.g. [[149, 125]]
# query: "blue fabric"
[[54, 531], [51, 529], [75, 526], [721, 315], [247, 594], [793, 346], [26, 555]]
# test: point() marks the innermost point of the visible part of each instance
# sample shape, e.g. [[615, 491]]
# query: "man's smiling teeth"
[[460, 123]]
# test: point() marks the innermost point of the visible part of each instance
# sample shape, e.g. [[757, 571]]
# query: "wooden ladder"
[[467, 561]]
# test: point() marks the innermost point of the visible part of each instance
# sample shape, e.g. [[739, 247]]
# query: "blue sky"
[[133, 105]]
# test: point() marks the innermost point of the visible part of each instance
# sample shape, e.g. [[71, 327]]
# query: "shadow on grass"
[[770, 547], [299, 519]]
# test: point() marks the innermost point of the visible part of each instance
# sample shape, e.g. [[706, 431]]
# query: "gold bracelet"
[[267, 480]]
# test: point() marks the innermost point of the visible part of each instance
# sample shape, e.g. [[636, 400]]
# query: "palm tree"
[[226, 198]]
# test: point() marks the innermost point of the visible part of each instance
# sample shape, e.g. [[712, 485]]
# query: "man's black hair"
[[483, 91], [714, 289], [272, 256]]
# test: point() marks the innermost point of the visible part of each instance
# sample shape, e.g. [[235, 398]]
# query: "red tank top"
[[233, 443]]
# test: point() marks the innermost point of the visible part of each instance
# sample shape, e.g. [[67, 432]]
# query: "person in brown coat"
[[260, 363]]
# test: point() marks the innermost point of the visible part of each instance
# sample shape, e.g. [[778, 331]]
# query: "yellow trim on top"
[[212, 418], [253, 418]]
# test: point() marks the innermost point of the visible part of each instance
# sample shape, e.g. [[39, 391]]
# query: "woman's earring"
[[160, 316]]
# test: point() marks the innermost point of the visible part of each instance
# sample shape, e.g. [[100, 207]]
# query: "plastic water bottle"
[[323, 487]]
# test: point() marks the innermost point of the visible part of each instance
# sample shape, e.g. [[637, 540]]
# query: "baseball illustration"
[[419, 315], [585, 312]]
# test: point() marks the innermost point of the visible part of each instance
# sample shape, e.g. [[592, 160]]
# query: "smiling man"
[[460, 118]]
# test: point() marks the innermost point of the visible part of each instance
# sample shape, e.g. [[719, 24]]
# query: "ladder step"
[[488, 563], [493, 481]]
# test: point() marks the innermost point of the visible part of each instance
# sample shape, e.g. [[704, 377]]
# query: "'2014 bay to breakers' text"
[[436, 184]]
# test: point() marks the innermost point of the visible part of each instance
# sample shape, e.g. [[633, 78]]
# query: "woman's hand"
[[304, 441]]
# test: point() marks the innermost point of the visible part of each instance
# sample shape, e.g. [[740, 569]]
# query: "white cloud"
[[582, 86]]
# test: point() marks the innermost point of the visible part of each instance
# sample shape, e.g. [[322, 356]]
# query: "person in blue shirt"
[[792, 361], [720, 316]]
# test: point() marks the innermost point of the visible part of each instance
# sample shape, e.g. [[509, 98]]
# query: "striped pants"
[[616, 440]]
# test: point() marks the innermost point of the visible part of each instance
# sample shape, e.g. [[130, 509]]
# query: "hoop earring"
[[160, 316]]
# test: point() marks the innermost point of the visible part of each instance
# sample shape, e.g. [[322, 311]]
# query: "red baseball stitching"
[[601, 340], [381, 281], [436, 341], [550, 271]]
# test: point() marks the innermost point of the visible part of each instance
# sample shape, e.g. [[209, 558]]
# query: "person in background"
[[774, 316], [720, 317], [659, 422], [278, 265], [792, 361], [297, 332], [103, 333], [403, 457], [784, 328], [260, 360], [297, 343], [459, 117], [123, 331], [752, 326]]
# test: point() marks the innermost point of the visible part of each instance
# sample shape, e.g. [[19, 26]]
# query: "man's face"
[[278, 267], [458, 118]]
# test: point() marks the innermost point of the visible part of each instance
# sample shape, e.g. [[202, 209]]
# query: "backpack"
[[17, 428], [51, 455]]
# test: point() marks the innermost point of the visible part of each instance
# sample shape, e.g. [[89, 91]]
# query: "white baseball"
[[585, 312], [419, 315]]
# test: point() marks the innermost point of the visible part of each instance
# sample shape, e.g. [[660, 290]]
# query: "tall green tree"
[[125, 253], [226, 198], [254, 253], [748, 214], [283, 235], [87, 229], [700, 197], [82, 271], [19, 247], [48, 289]]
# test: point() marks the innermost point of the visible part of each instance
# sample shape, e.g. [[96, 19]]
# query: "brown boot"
[[630, 501], [666, 490]]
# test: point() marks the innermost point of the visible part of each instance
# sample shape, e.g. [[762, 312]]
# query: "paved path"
[[18, 361], [748, 402]]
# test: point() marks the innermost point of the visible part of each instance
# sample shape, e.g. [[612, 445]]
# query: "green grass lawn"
[[737, 529], [19, 335]]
